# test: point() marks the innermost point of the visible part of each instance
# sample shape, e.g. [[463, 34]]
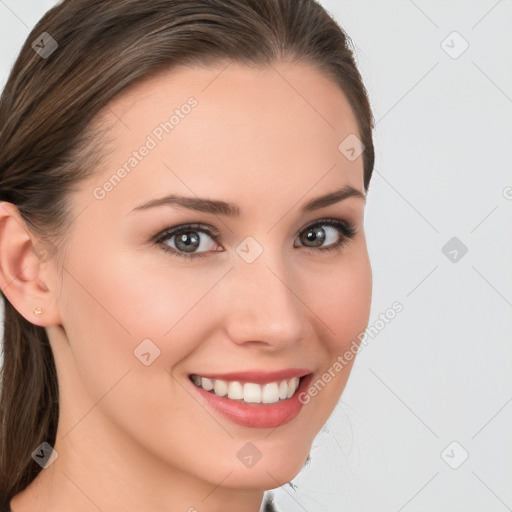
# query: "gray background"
[[434, 386]]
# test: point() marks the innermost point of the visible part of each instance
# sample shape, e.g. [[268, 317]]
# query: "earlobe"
[[22, 271]]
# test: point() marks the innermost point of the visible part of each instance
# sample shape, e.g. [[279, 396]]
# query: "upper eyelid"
[[210, 230], [204, 228]]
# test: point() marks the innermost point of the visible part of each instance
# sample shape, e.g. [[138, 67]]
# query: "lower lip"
[[257, 415]]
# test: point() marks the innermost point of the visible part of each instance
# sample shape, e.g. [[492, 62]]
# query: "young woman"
[[182, 251]]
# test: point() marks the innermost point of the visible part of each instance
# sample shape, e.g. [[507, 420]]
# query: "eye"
[[326, 234], [196, 240], [189, 241]]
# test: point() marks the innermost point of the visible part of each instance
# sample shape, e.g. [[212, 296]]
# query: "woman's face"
[[271, 290]]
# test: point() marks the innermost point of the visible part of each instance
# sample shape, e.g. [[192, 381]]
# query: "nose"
[[262, 308]]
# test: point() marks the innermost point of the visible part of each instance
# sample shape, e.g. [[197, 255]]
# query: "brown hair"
[[47, 144]]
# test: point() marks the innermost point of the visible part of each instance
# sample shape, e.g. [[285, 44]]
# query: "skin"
[[134, 437]]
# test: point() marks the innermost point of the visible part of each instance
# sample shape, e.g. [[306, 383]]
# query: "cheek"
[[108, 311], [342, 301], [112, 309], [349, 309]]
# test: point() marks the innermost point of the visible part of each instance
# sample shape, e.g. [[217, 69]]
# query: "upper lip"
[[257, 376]]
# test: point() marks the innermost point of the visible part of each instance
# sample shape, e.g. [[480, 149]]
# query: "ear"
[[25, 268]]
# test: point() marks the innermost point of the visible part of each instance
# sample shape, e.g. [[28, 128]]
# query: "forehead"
[[227, 127]]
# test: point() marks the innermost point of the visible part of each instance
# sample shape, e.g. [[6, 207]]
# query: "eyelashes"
[[189, 237]]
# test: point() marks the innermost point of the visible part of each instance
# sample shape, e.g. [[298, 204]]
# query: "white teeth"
[[249, 392], [252, 393], [206, 384], [220, 387], [283, 390], [270, 393], [235, 391], [292, 386]]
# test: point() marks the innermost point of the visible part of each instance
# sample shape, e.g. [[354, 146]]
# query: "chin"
[[270, 473]]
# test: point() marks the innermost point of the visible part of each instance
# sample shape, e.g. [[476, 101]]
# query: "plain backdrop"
[[425, 421]]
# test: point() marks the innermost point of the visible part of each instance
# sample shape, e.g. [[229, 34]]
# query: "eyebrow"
[[229, 209]]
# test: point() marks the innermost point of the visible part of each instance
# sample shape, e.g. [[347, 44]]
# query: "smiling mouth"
[[249, 392]]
